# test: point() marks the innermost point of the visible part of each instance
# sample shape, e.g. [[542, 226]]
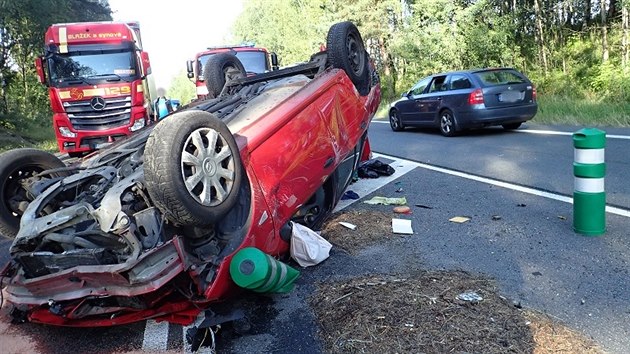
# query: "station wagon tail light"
[[476, 97], [534, 93]]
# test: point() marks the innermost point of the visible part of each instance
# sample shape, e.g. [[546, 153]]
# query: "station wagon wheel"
[[220, 69], [346, 51], [512, 126], [17, 166], [448, 124], [394, 121], [193, 168]]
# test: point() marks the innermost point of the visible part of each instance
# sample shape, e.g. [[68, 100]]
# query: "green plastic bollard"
[[589, 169], [255, 270]]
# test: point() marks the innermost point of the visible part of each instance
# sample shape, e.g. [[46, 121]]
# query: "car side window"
[[438, 84], [418, 88], [459, 82]]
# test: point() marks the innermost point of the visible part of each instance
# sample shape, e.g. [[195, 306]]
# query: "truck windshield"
[[253, 62], [91, 68]]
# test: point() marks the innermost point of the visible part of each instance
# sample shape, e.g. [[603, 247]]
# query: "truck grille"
[[117, 112]]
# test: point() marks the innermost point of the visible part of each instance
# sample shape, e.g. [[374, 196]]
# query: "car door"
[[410, 109], [431, 101], [458, 87]]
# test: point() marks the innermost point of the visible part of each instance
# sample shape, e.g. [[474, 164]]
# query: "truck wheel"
[[219, 69], [15, 167], [192, 168], [346, 51]]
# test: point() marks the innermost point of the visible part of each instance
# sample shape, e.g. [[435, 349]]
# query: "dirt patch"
[[372, 227], [421, 312]]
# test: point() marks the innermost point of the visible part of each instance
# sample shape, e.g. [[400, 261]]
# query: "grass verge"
[[28, 134]]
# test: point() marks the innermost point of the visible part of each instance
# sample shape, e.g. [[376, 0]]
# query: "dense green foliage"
[[182, 88], [22, 27], [573, 49]]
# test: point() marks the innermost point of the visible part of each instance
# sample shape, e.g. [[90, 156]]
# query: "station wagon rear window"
[[500, 77]]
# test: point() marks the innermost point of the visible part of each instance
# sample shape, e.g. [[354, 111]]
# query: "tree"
[[22, 27], [182, 88]]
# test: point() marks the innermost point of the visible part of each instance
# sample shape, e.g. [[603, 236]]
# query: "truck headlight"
[[66, 132], [137, 125]]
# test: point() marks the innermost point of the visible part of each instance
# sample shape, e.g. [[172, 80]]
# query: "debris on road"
[[419, 313], [307, 247], [402, 226], [386, 201], [373, 227], [470, 296], [521, 205], [424, 206], [496, 217], [375, 169], [562, 217], [348, 225], [208, 324], [402, 210], [459, 219], [350, 195], [399, 190]]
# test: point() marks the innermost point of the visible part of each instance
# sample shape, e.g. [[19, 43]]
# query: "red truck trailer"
[[255, 61], [98, 80]]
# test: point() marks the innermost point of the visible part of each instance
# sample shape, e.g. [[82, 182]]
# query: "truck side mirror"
[[189, 69], [41, 74], [274, 61], [146, 63]]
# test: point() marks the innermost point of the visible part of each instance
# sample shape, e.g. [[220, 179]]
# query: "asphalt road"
[[538, 160], [532, 251]]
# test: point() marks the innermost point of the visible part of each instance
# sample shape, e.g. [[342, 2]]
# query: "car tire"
[[219, 69], [448, 123], [190, 191], [394, 121], [16, 165], [346, 51], [512, 126]]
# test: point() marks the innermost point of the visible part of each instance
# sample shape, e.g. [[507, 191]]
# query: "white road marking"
[[155, 336], [528, 190], [365, 186], [541, 132]]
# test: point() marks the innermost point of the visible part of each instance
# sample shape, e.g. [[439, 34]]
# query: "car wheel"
[[192, 168], [346, 51], [394, 121], [512, 126], [448, 123], [221, 68], [16, 166]]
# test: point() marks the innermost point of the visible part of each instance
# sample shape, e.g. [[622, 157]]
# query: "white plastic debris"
[[307, 247], [470, 296], [348, 225], [402, 226]]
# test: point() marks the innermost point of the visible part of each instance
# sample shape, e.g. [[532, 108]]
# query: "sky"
[[173, 31]]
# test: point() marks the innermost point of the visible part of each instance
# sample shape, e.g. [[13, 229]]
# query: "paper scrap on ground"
[[348, 225], [402, 226], [459, 219], [387, 201]]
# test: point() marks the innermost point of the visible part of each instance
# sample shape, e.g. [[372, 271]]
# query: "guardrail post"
[[589, 169]]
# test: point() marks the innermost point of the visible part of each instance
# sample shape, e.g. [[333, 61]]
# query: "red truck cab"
[[255, 61], [97, 77]]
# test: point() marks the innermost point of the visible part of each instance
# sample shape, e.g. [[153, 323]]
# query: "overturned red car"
[[147, 227]]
